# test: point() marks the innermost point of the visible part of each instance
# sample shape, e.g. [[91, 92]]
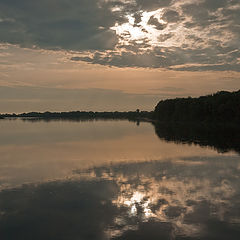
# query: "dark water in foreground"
[[114, 180]]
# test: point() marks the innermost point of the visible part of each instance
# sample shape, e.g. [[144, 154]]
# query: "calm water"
[[63, 180]]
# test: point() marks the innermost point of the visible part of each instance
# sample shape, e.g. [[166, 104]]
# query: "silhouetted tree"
[[220, 107]]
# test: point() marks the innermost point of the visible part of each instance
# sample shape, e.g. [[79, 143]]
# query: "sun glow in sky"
[[132, 31], [142, 31]]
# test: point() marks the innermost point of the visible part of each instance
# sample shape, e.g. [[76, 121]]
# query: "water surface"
[[114, 180]]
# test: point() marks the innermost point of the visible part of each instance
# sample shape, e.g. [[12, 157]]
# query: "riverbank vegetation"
[[219, 107]]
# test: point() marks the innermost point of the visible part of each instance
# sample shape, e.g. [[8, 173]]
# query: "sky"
[[109, 55]]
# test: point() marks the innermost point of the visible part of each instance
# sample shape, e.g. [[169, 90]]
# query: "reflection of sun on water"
[[136, 200]]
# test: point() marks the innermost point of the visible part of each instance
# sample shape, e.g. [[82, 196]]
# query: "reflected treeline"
[[82, 115], [221, 137]]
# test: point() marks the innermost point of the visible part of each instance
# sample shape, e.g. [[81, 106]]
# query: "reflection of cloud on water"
[[184, 195], [142, 200]]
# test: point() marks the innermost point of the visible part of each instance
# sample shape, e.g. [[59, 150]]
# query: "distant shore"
[[131, 115]]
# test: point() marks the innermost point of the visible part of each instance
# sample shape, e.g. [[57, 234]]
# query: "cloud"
[[152, 5], [154, 21], [71, 25], [171, 16], [135, 33], [211, 58], [164, 37]]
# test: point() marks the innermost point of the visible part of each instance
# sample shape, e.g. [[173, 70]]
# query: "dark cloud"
[[164, 37], [200, 16], [135, 46], [210, 12], [154, 21], [214, 4], [151, 5], [73, 25], [127, 59], [171, 16], [137, 18]]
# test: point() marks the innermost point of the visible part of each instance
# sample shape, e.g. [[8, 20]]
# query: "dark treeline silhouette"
[[219, 107], [223, 137], [131, 115], [33, 120]]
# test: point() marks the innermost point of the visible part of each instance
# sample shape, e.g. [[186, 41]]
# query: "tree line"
[[222, 106], [81, 115]]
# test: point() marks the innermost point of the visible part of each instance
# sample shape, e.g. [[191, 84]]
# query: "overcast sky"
[[62, 55]]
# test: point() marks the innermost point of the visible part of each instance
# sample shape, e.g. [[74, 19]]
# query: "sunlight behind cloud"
[[140, 31]]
